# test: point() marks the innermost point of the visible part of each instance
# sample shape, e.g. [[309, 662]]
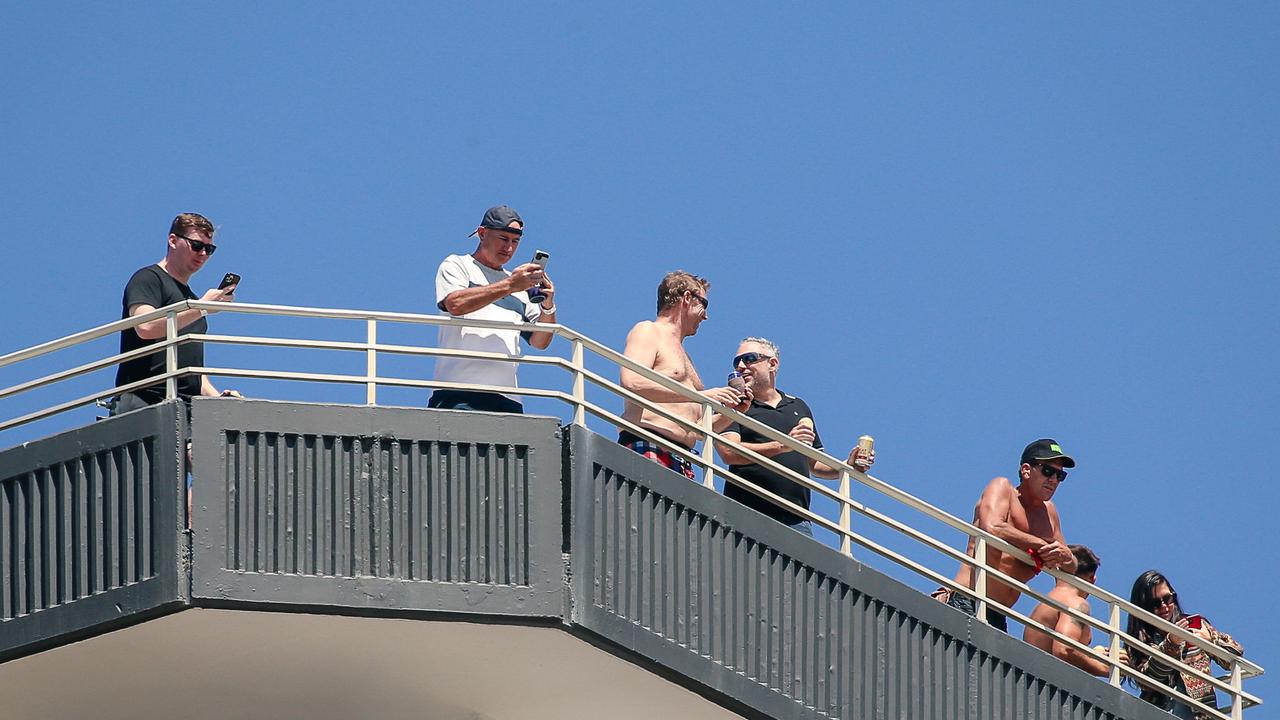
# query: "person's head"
[[1087, 563], [757, 360], [685, 295], [190, 244], [1152, 592], [1044, 467], [499, 234]]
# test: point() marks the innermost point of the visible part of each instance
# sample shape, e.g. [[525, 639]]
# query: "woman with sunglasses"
[[1153, 592]]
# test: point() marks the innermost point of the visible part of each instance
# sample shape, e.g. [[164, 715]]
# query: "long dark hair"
[[1144, 596]]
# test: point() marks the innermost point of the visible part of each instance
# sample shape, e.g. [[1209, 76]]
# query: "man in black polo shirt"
[[757, 360]]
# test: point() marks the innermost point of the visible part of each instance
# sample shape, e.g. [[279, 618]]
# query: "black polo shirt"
[[782, 418]]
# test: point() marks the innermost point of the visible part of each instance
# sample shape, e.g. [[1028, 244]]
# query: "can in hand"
[[866, 444]]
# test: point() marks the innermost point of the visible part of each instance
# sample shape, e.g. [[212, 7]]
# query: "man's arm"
[[1056, 554], [992, 515], [469, 299], [542, 340], [769, 448], [154, 329], [856, 459], [642, 349], [1077, 630]]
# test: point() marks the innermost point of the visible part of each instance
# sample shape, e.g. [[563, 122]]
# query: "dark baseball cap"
[[1046, 449], [500, 217]]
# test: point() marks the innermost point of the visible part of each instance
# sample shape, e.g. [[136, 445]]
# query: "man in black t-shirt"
[[190, 245], [757, 360]]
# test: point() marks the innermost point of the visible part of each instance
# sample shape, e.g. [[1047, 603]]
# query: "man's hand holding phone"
[[225, 292], [525, 276]]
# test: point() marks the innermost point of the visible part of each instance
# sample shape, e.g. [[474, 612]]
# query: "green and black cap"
[[1046, 449]]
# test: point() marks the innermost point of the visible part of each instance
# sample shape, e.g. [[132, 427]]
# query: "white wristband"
[[204, 313], [548, 310]]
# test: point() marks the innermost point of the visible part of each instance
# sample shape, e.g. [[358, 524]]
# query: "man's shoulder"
[[462, 261], [1000, 483], [643, 329], [789, 398], [1066, 595], [147, 273]]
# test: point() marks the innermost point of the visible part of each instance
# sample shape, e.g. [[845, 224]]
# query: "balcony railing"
[[587, 393]]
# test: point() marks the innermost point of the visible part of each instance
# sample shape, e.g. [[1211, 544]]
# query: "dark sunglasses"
[[702, 299], [750, 358], [1050, 471], [1170, 599], [197, 246]]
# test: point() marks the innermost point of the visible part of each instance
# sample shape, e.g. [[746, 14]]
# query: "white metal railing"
[[576, 397]]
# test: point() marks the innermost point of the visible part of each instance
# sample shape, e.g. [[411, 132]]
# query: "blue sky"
[[966, 227]]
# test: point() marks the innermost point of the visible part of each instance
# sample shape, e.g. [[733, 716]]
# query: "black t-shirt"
[[781, 418], [153, 286]]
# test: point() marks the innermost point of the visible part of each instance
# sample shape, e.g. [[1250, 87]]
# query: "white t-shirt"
[[459, 272]]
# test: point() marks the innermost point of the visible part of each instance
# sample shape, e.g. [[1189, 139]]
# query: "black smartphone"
[[228, 280]]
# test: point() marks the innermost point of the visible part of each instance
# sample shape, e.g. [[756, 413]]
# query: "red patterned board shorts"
[[658, 454]]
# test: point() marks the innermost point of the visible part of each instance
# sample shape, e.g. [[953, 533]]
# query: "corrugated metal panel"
[[89, 527], [77, 527], [376, 507], [409, 509], [710, 583]]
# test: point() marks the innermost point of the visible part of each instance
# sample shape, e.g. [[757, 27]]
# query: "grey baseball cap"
[[500, 217]]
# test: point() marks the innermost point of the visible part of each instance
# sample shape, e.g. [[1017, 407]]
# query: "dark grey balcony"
[[381, 562]]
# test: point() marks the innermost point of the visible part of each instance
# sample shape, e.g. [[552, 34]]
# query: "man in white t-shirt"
[[476, 286]]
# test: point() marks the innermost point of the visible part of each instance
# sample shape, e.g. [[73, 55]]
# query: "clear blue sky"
[[966, 227]]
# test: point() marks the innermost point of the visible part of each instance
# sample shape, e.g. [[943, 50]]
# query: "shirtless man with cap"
[[1025, 517]]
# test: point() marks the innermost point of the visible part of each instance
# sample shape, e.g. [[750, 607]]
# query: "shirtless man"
[[1087, 563], [1023, 517], [659, 344]]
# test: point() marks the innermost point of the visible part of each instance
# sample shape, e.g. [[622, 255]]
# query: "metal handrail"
[[1240, 667]]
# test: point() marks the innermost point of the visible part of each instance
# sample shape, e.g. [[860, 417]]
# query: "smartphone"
[[1194, 621], [228, 280], [540, 259]]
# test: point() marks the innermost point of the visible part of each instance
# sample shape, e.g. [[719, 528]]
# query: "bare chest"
[[1035, 521], [674, 362]]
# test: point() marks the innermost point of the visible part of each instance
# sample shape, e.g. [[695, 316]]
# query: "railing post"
[[980, 583], [1113, 652], [846, 544], [371, 363], [1237, 685], [579, 385], [708, 452], [171, 354]]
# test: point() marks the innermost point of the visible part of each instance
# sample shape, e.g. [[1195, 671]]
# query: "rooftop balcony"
[[392, 562]]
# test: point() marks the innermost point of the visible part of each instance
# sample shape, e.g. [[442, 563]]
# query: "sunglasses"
[[1051, 471], [1170, 599], [198, 247], [702, 299], [750, 358]]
